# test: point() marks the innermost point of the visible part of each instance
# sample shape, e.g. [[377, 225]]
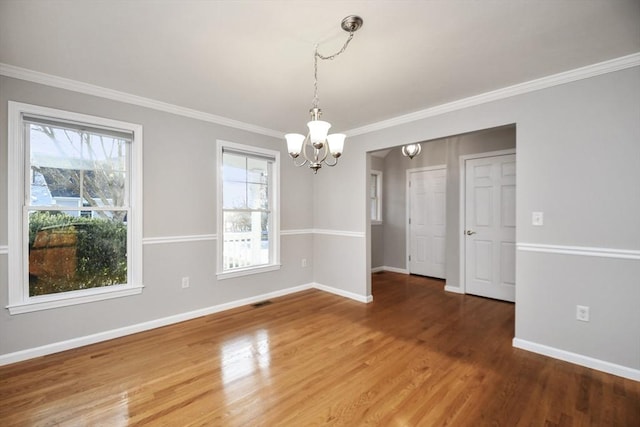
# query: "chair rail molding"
[[580, 250]]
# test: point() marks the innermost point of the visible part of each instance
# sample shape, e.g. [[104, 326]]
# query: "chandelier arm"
[[301, 164], [331, 164], [302, 154], [316, 152], [320, 154]]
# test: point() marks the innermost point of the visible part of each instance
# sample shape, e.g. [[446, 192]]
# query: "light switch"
[[537, 218]]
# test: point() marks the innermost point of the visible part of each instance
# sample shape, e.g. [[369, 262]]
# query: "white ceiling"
[[252, 61]]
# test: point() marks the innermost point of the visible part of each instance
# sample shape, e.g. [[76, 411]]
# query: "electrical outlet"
[[303, 263], [185, 282], [537, 218], [582, 313]]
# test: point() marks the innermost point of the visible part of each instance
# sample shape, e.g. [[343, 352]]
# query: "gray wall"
[[447, 152], [179, 200], [578, 157]]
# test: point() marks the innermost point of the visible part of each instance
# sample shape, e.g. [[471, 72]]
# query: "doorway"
[[389, 240]]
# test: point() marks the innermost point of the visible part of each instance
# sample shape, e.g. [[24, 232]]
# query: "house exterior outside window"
[[248, 210], [75, 208]]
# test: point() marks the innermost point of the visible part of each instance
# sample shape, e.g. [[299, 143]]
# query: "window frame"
[[18, 179], [274, 194], [378, 198]]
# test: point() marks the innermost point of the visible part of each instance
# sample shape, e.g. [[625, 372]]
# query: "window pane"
[[76, 165], [258, 196], [258, 170], [246, 239], [374, 209], [104, 182], [234, 168], [374, 186], [68, 253], [234, 195]]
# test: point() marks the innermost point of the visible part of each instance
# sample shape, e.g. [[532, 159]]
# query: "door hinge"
[[409, 220], [409, 257]]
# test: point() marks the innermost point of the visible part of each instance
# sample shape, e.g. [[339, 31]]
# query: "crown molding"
[[586, 72], [102, 92]]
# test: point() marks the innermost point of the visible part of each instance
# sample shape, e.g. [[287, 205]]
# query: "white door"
[[427, 222], [490, 228]]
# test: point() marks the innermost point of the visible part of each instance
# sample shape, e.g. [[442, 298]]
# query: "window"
[[75, 220], [248, 210], [375, 195]]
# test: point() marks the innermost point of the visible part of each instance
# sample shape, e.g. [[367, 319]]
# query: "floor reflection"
[[244, 356]]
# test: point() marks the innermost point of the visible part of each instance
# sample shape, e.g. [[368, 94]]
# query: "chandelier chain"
[[318, 148], [317, 55]]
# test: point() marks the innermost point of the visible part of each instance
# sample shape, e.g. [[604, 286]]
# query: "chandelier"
[[317, 145]]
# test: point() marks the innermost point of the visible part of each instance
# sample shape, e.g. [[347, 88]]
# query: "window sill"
[[247, 271], [375, 222], [47, 302]]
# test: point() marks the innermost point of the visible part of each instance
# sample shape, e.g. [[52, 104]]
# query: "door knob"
[[470, 232]]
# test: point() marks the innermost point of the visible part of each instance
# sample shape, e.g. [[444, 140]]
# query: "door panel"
[[483, 258], [427, 227], [490, 196], [482, 204]]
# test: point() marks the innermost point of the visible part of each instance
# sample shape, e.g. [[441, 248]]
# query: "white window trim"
[[377, 221], [275, 218], [19, 299]]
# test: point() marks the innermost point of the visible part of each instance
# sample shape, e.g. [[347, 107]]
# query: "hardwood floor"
[[416, 356]]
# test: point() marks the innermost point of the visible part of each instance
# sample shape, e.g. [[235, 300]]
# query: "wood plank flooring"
[[416, 356]]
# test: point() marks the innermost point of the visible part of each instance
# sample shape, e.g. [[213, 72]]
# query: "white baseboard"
[[392, 269], [454, 289], [578, 359], [377, 269], [343, 293], [44, 350], [57, 347]]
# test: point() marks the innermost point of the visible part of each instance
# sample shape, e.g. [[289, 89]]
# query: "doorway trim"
[[408, 173], [463, 209]]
